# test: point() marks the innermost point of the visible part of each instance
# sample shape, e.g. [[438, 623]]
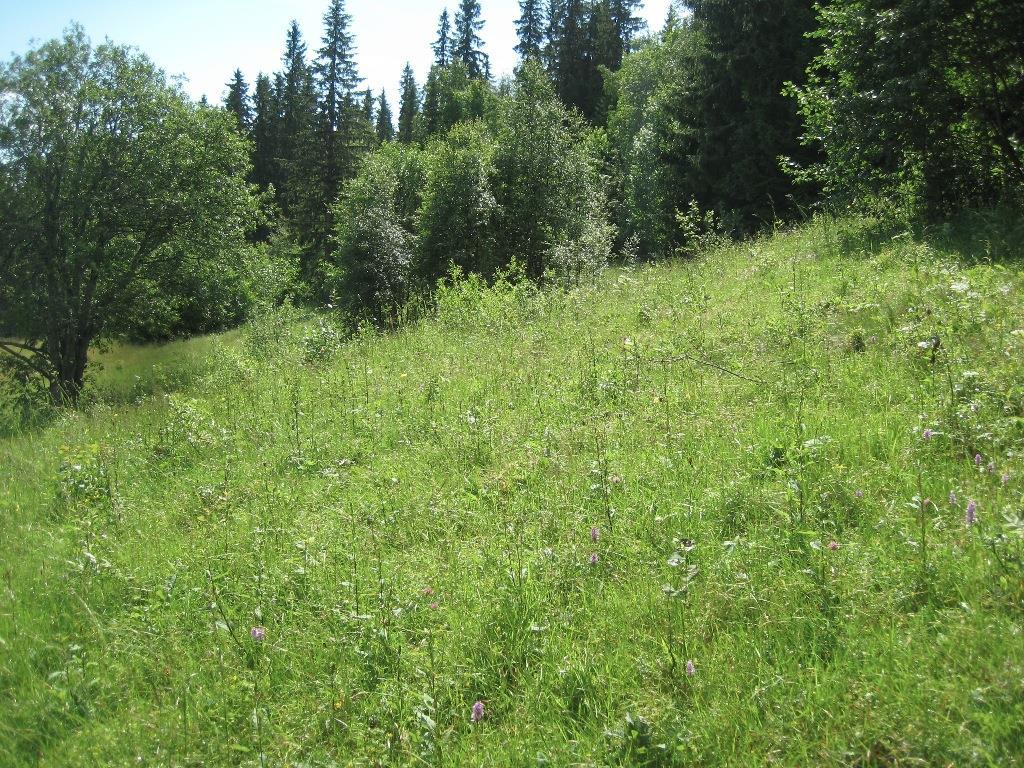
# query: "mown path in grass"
[[708, 513]]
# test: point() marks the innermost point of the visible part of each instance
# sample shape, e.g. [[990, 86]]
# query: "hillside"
[[704, 513]]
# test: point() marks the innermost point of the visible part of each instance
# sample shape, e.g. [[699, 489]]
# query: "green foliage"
[[467, 45], [112, 181], [520, 187], [373, 272], [457, 217], [643, 199], [550, 198], [917, 103], [409, 518], [731, 122], [451, 96], [410, 107]]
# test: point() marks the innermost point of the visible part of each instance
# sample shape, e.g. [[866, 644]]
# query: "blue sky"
[[205, 40]]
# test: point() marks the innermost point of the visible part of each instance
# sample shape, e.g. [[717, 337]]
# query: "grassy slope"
[[320, 495]]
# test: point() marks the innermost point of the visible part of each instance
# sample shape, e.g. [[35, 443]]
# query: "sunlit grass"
[[548, 503]]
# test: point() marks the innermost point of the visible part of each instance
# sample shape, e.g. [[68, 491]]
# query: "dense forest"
[[128, 211]]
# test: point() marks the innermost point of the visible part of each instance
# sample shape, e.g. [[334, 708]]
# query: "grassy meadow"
[[760, 508]]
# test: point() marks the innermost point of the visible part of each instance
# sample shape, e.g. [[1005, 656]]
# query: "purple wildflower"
[[594, 558], [691, 669], [952, 498], [833, 545], [478, 712], [859, 494], [972, 514], [258, 634], [928, 434], [433, 606], [1005, 479], [978, 460], [595, 534]]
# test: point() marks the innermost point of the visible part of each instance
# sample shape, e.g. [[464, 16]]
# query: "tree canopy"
[[109, 179]]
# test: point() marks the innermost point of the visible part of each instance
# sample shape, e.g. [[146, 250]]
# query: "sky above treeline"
[[206, 40]]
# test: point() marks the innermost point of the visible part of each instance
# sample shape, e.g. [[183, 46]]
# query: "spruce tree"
[[384, 128], [577, 80], [237, 102], [335, 69], [367, 108], [264, 132], [672, 20], [627, 24], [443, 45], [531, 29], [731, 120], [555, 18], [410, 107], [468, 45]]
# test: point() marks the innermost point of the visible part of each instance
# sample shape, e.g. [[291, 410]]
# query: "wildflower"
[[433, 606], [978, 460], [928, 434], [833, 545], [478, 712], [859, 494], [595, 534], [971, 517], [258, 634], [428, 592], [691, 670], [1005, 479], [991, 467], [594, 558], [952, 498]]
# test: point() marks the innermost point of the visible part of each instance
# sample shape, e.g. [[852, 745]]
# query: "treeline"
[[128, 210]]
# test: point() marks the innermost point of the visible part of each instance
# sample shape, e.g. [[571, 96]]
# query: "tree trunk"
[[69, 360]]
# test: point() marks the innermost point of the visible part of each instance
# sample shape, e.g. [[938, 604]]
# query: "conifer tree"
[[410, 107], [672, 20], [443, 45], [297, 109], [574, 71], [627, 24], [555, 18], [264, 127], [237, 102], [335, 69], [531, 29], [733, 121], [468, 45], [384, 128]]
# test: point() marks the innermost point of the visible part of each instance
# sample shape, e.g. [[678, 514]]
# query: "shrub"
[[372, 274]]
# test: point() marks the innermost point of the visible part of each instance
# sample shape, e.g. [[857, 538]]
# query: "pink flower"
[[478, 712], [928, 434], [833, 545], [258, 634], [691, 670], [433, 606], [972, 514], [428, 592], [594, 558], [595, 534]]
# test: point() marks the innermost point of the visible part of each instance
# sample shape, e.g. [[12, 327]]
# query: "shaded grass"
[[410, 518]]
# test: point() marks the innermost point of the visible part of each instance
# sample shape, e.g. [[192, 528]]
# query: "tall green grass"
[[690, 515]]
